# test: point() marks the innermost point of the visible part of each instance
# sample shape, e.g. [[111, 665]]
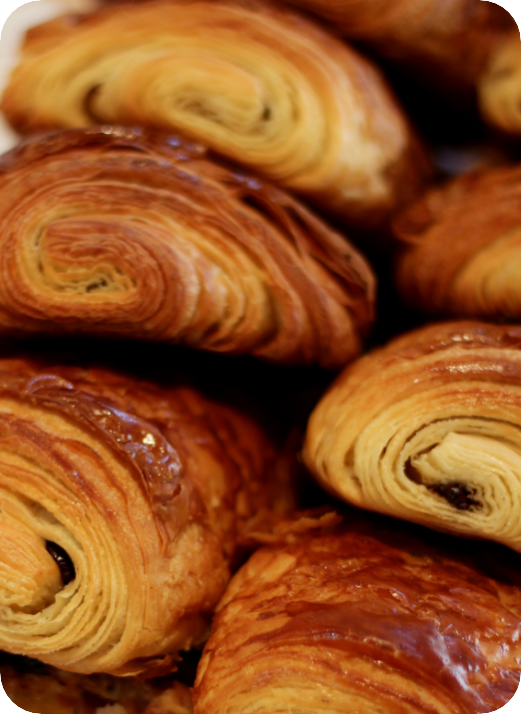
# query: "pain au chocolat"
[[428, 429], [461, 247], [366, 619], [257, 83], [448, 42], [120, 507], [113, 232], [34, 687]]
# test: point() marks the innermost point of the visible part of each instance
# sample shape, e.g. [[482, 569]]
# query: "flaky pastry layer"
[[119, 233], [363, 620], [428, 429], [120, 507], [258, 84]]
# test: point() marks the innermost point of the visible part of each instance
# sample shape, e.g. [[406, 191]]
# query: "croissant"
[[428, 429], [121, 505], [365, 619], [461, 247], [256, 83], [51, 691], [114, 232], [449, 42]]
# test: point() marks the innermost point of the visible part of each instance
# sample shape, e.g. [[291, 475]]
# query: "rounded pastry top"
[[259, 84], [119, 232], [370, 618]]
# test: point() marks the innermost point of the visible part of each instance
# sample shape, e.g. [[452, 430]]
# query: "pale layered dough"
[[36, 688], [365, 620], [120, 508], [428, 429], [461, 247], [446, 43], [256, 83], [114, 232]]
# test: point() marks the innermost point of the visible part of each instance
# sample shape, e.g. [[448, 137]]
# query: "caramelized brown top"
[[449, 41], [371, 612], [118, 232]]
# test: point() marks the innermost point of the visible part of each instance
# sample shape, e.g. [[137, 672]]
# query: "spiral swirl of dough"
[[120, 506], [461, 247], [428, 429], [258, 84], [111, 232]]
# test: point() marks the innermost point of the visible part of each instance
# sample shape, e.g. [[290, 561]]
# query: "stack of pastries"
[[260, 368]]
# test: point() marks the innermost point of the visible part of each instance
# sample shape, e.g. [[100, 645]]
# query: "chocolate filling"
[[63, 561], [457, 494]]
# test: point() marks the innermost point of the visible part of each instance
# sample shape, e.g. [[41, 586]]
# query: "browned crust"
[[317, 289]]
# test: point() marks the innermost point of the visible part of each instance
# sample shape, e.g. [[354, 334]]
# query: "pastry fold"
[[365, 619], [120, 508], [256, 83], [45, 690], [113, 232], [428, 429], [461, 247], [449, 41]]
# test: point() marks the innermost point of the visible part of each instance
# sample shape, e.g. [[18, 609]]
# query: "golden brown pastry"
[[120, 507], [428, 429], [46, 690], [461, 247], [366, 620], [448, 41], [499, 86], [256, 83], [113, 232]]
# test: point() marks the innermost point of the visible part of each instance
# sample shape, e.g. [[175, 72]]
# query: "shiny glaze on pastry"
[[461, 247], [428, 429], [46, 690], [257, 83], [365, 619], [118, 233], [143, 490]]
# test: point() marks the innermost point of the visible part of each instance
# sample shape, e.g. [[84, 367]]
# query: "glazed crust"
[[428, 429], [451, 41], [365, 619], [461, 247], [46, 690], [121, 507], [256, 83], [113, 232]]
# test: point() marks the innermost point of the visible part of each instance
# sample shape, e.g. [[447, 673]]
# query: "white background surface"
[[25, 16]]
